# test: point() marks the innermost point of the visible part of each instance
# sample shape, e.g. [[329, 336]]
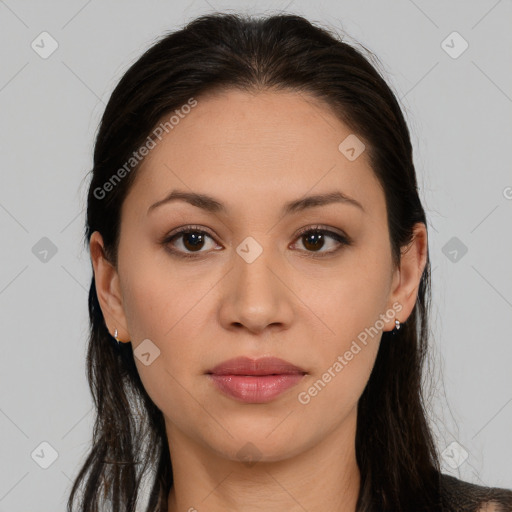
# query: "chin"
[[259, 444]]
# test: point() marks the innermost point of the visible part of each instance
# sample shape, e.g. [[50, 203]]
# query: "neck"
[[324, 477]]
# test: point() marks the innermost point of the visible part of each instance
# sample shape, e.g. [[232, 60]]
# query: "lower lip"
[[255, 388]]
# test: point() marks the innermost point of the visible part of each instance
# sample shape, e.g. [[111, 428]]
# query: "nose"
[[257, 295]]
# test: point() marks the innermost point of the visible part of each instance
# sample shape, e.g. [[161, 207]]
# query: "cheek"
[[159, 310], [332, 394], [156, 295], [350, 298], [143, 303], [347, 308], [169, 308], [347, 351]]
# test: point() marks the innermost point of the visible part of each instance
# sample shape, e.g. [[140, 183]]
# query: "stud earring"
[[117, 339], [397, 327]]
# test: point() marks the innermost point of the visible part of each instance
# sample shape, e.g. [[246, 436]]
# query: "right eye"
[[191, 238]]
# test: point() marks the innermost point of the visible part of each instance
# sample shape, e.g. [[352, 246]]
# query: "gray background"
[[459, 113]]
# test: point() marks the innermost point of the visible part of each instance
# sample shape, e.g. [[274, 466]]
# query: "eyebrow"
[[211, 204]]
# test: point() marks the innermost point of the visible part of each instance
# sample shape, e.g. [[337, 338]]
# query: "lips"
[[255, 380], [262, 366]]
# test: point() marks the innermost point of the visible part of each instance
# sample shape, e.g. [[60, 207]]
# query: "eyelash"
[[341, 239]]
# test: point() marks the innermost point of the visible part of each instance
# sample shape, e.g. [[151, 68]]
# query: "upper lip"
[[261, 366]]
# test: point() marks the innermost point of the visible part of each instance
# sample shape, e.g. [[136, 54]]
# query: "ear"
[[108, 289], [407, 277]]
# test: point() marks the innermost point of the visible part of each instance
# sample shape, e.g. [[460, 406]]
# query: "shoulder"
[[460, 496]]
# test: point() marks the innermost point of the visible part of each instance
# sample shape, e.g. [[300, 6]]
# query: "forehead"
[[265, 144]]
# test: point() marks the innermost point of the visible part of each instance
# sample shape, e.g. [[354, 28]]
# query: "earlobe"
[[106, 280]]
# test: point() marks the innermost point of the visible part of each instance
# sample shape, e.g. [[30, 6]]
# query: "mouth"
[[262, 366], [255, 381]]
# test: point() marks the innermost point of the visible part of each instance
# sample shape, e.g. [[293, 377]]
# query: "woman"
[[260, 299]]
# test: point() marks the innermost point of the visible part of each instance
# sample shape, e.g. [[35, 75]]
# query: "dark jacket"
[[460, 496]]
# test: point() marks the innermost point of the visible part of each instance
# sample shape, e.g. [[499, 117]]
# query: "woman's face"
[[254, 285]]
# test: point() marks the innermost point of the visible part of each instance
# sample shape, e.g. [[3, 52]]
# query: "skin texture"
[[255, 152]]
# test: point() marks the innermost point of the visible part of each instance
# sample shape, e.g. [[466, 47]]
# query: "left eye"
[[192, 241], [315, 239]]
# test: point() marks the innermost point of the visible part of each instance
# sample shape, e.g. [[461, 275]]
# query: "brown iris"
[[313, 240]]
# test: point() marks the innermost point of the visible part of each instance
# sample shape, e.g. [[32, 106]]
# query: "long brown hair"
[[394, 446]]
